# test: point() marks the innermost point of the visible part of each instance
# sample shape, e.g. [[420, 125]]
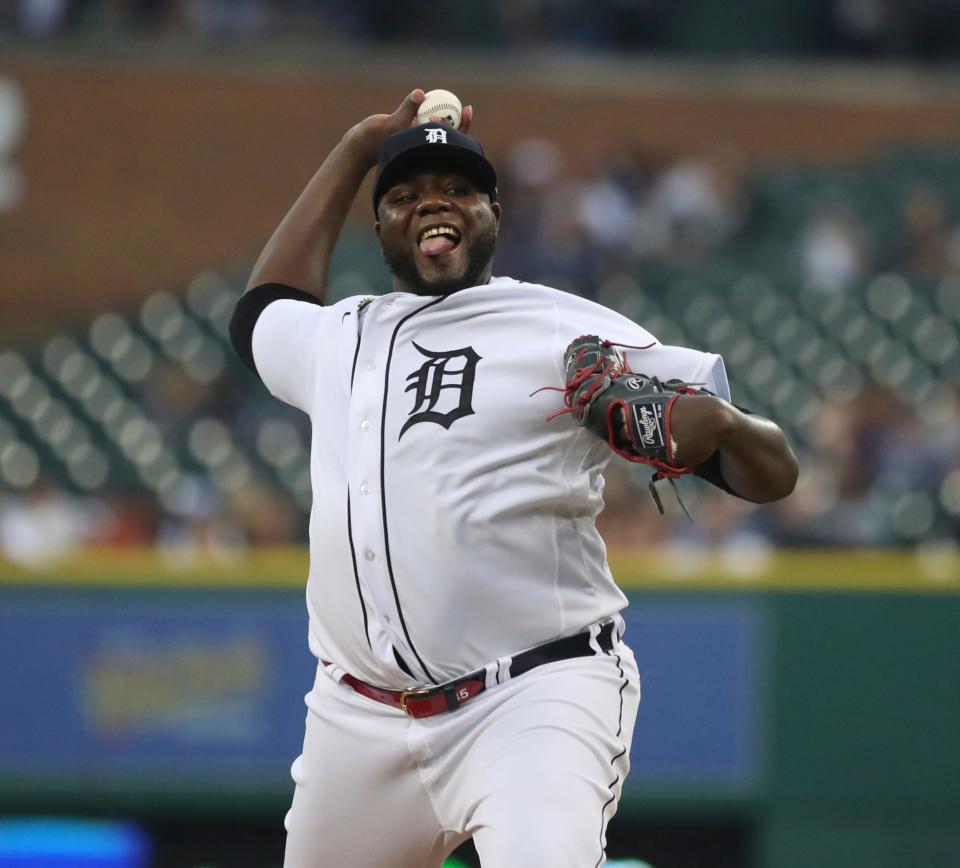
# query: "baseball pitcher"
[[472, 677]]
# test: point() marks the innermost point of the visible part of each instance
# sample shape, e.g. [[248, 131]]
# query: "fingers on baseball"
[[442, 119], [466, 117], [411, 105]]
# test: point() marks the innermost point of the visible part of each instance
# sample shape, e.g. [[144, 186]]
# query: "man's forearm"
[[298, 253], [756, 460]]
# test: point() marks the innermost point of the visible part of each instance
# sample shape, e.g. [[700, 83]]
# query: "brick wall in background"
[[138, 174]]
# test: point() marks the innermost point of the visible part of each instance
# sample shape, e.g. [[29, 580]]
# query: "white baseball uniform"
[[453, 527]]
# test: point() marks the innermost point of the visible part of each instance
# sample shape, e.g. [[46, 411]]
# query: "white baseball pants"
[[531, 769]]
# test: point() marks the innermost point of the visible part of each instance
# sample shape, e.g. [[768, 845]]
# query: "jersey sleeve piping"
[[248, 310]]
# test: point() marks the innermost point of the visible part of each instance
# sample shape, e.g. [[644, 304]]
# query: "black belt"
[[427, 701]]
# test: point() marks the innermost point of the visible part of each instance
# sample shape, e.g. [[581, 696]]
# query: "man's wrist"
[[359, 146]]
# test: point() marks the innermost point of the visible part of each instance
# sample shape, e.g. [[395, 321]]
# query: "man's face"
[[437, 232]]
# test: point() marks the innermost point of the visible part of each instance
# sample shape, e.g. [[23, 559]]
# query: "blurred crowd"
[[577, 232], [837, 250], [922, 29]]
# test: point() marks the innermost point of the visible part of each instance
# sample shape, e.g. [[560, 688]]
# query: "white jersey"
[[451, 524]]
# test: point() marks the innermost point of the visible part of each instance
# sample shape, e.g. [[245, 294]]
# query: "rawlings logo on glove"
[[647, 417], [628, 410]]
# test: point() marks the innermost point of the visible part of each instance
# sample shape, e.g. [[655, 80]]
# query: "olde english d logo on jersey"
[[442, 387]]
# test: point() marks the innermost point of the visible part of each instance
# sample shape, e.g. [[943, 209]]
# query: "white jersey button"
[[369, 555], [365, 425], [364, 489]]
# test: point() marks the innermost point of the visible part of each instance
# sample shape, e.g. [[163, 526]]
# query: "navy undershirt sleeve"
[[248, 310], [710, 471]]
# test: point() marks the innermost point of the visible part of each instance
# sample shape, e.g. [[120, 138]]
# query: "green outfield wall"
[[865, 718]]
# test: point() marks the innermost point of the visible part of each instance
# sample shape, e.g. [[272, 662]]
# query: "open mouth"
[[437, 240]]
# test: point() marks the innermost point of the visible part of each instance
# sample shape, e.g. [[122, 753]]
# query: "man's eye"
[[404, 197], [457, 191]]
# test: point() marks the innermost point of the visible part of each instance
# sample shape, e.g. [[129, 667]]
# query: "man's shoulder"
[[560, 297], [351, 304], [337, 311]]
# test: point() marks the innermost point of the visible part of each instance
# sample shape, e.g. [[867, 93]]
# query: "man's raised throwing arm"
[[299, 251]]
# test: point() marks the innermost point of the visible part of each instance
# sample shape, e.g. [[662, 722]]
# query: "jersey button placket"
[[364, 463], [367, 516]]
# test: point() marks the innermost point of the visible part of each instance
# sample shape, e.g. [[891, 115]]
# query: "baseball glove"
[[630, 411]]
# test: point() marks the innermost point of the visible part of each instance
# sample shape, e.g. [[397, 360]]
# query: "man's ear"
[[495, 207], [376, 229]]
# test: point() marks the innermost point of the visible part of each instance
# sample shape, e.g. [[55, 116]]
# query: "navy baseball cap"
[[434, 147]]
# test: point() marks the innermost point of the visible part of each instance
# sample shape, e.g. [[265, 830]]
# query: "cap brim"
[[430, 158]]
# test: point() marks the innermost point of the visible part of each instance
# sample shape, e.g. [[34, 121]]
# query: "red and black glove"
[[628, 410]]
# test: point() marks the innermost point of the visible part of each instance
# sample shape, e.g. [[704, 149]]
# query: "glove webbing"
[[581, 376]]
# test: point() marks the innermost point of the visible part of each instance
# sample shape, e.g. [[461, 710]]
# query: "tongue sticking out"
[[436, 244]]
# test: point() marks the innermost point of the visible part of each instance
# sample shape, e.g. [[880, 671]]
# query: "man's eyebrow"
[[411, 181], [398, 187]]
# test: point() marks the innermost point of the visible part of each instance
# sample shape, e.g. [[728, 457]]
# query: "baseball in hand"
[[443, 104]]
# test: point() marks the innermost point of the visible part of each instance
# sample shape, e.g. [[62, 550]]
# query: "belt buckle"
[[406, 694]]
